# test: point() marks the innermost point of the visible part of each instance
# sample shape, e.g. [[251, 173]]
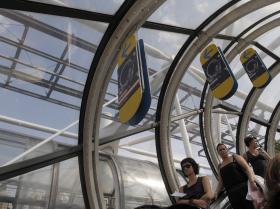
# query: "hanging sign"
[[129, 80], [146, 92], [255, 68], [218, 73]]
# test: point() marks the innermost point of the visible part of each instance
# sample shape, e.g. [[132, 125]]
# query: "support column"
[[183, 129]]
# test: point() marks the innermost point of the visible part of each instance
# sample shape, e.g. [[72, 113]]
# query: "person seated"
[[272, 181], [256, 156], [234, 173], [198, 189]]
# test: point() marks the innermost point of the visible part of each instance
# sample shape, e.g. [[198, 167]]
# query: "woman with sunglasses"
[[256, 156], [198, 190], [234, 173]]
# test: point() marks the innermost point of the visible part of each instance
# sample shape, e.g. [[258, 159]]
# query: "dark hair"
[[248, 140], [192, 162], [272, 180], [220, 144]]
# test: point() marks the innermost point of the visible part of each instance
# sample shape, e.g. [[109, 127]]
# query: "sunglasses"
[[222, 149], [187, 166]]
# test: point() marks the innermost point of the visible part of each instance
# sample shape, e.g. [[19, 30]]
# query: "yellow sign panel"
[[218, 72], [128, 46], [255, 68], [129, 84]]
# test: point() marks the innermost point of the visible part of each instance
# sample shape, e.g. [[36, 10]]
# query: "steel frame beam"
[[26, 166]]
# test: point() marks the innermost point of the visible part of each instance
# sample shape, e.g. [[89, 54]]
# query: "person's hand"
[[182, 201], [202, 204]]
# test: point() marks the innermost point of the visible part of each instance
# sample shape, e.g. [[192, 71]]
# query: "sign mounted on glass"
[[255, 68], [218, 73], [133, 83]]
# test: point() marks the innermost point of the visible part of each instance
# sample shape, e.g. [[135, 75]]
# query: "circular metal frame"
[[128, 18], [271, 130], [163, 146], [210, 99], [248, 29], [247, 110], [181, 62], [201, 121]]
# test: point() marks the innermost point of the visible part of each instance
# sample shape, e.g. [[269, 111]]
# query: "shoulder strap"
[[233, 158], [219, 166]]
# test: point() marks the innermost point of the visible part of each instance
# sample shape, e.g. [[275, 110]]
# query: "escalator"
[[222, 202]]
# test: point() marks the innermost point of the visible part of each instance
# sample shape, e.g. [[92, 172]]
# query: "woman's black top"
[[232, 174], [258, 163], [235, 181], [195, 191]]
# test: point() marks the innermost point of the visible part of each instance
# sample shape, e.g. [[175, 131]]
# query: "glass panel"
[[269, 98], [270, 40], [14, 143], [109, 7], [44, 64], [238, 26], [69, 193], [181, 12], [142, 183], [30, 191], [10, 29], [57, 186]]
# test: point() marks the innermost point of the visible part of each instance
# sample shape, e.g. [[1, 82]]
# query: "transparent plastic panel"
[[11, 29], [68, 187], [12, 144], [269, 99], [108, 7], [57, 186], [139, 146], [270, 40], [142, 183], [30, 190], [238, 26], [44, 65], [181, 12]]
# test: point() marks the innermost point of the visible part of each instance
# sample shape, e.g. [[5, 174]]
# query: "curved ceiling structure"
[[59, 76]]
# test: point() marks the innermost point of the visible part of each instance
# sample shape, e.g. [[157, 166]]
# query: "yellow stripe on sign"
[[126, 48], [208, 53], [261, 80], [128, 110], [247, 54], [224, 88]]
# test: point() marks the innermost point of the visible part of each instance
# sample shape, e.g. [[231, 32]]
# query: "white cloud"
[[202, 7]]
